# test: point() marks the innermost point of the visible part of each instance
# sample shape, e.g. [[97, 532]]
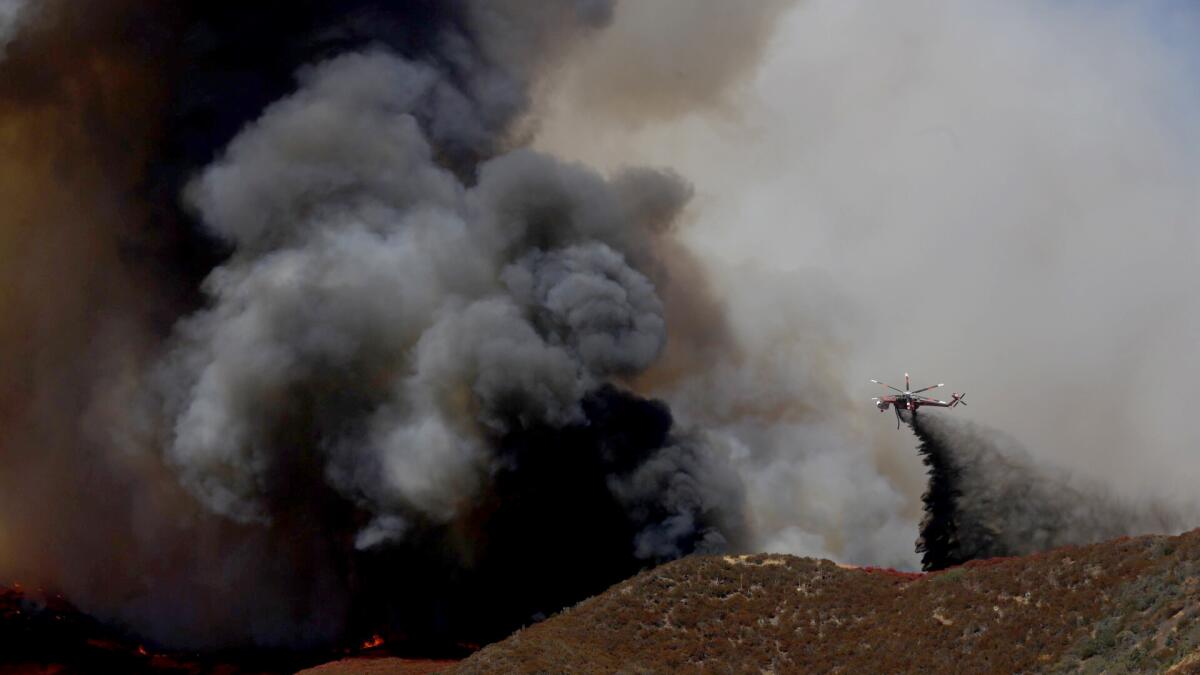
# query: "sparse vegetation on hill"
[[1130, 605]]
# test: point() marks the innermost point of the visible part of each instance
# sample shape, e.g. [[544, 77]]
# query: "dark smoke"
[[555, 524], [332, 354], [987, 498]]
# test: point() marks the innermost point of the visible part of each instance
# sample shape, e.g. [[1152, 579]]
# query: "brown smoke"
[[663, 60], [77, 116]]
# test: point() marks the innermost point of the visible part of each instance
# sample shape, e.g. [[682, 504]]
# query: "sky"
[[1000, 196]]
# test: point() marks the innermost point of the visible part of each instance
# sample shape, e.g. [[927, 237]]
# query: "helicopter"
[[909, 399]]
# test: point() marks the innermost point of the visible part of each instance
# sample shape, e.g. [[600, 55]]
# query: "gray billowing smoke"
[[988, 498], [409, 322], [393, 327], [412, 316], [401, 398]]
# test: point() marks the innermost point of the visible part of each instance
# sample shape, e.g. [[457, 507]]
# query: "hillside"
[[1130, 605]]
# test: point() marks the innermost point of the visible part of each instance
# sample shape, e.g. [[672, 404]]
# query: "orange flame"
[[375, 641]]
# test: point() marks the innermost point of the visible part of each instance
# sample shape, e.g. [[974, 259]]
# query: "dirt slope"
[[1130, 605]]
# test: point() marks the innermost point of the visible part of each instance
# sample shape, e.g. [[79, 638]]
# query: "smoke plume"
[[408, 323], [988, 194], [315, 323], [328, 351], [987, 498]]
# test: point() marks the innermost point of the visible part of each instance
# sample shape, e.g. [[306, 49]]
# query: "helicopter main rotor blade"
[[888, 386], [928, 388]]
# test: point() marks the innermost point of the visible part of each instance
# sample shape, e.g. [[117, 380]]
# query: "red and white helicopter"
[[908, 399]]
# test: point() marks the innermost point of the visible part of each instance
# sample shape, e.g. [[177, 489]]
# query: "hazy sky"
[[1002, 196]]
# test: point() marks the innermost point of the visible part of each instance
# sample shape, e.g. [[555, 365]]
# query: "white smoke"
[[775, 405], [999, 195]]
